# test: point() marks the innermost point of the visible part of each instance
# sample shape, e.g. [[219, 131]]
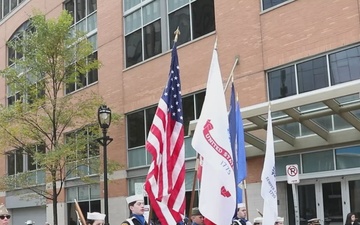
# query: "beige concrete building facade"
[[303, 56]]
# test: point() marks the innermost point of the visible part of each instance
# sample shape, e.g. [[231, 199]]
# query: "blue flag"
[[237, 143]]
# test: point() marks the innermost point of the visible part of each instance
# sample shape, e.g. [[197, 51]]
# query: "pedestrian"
[[279, 221], [95, 218], [314, 221], [196, 217], [258, 221], [241, 215], [4, 215], [136, 207], [351, 219]]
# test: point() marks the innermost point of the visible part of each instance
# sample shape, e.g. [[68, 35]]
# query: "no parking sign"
[[292, 173]]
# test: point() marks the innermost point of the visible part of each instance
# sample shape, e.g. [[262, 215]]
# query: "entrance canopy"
[[326, 117]]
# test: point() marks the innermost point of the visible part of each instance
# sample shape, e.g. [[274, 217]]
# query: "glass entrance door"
[[323, 199], [332, 203]]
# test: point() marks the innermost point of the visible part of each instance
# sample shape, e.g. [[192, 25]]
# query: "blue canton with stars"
[[172, 92]]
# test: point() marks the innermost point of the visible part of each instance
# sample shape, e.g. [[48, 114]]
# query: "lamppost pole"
[[104, 117]]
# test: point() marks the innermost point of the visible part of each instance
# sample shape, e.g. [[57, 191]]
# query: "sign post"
[[292, 173]]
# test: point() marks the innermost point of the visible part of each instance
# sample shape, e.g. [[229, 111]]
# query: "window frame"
[[144, 155], [166, 34]]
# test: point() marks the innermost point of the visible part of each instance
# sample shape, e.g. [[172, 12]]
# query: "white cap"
[[280, 219], [29, 222], [134, 198], [258, 220], [95, 216], [241, 205]]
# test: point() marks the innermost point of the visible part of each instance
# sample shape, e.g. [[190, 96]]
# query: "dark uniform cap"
[[195, 212]]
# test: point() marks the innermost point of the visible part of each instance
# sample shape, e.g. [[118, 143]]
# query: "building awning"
[[327, 117]]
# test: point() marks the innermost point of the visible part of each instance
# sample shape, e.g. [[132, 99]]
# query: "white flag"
[[211, 140], [268, 178]]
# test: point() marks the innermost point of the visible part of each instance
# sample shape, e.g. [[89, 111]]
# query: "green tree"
[[50, 57]]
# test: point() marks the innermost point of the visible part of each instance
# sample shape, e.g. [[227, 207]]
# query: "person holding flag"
[[241, 216]]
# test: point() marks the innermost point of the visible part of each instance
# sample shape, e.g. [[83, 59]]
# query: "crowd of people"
[[136, 207]]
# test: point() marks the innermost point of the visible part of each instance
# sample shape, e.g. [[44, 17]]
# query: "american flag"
[[165, 182]]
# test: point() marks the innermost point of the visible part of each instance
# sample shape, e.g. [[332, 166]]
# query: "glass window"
[[7, 6], [137, 157], [271, 3], [85, 144], [181, 19], [133, 44], [348, 157], [318, 161], [139, 123], [203, 17], [83, 13], [345, 65], [283, 161], [312, 75], [135, 129], [83, 80], [282, 83], [88, 205], [189, 111], [152, 39], [11, 163], [145, 25]]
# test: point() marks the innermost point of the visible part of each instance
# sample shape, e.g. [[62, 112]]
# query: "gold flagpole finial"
[[177, 33]]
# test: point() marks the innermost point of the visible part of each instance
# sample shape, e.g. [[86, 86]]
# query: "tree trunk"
[[54, 201]]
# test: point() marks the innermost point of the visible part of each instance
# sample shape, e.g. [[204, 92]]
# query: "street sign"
[[292, 173]]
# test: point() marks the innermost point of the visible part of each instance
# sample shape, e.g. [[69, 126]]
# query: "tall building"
[[303, 56]]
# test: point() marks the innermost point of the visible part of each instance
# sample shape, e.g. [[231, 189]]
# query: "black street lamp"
[[104, 118]]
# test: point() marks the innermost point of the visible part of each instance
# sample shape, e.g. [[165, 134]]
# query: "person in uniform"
[[279, 221], [241, 215], [314, 221], [136, 206], [4, 215], [196, 217], [30, 222], [95, 218], [258, 221]]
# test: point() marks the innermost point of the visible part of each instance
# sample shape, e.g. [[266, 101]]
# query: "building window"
[[22, 161], [139, 123], [149, 27], [345, 65], [6, 6], [84, 13], [314, 74], [13, 93], [83, 79], [88, 197], [266, 4], [87, 148]]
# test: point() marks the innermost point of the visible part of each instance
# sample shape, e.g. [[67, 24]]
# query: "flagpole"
[[231, 76], [192, 198], [246, 199]]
